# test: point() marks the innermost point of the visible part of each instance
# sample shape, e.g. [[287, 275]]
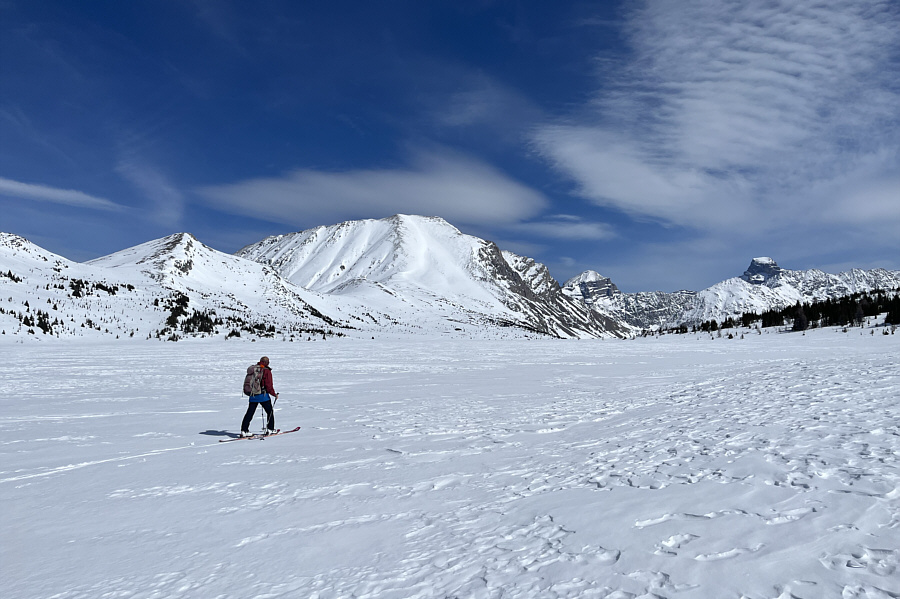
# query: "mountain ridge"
[[400, 275], [432, 265], [763, 286], [165, 288]]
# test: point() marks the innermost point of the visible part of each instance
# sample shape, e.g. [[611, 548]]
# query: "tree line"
[[848, 310]]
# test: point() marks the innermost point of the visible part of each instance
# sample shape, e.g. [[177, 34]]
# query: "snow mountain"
[[165, 288], [424, 270], [763, 286], [766, 286], [395, 276]]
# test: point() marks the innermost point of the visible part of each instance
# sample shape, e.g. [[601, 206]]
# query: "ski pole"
[[263, 417]]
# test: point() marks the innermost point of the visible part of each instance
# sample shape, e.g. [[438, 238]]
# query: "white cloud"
[[30, 191], [567, 227], [611, 170], [440, 183], [728, 116]]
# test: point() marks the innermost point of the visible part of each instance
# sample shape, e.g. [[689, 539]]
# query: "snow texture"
[[680, 467]]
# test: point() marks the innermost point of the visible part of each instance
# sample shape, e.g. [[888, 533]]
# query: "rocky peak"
[[589, 286], [761, 270], [534, 274]]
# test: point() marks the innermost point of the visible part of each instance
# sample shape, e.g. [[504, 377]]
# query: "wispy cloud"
[[166, 200], [745, 115], [474, 100], [438, 183], [568, 227], [43, 193]]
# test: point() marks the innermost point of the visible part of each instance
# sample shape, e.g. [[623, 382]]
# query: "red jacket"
[[266, 383]]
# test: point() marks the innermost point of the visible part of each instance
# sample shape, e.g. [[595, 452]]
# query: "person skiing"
[[264, 398]]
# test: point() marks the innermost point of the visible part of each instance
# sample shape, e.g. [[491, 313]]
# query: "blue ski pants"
[[251, 411]]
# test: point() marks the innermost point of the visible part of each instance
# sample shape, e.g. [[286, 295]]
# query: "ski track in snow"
[[673, 467]]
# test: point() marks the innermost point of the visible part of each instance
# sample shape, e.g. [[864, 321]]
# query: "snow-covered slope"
[[418, 268], [167, 287], [766, 286], [763, 286], [223, 282], [395, 276]]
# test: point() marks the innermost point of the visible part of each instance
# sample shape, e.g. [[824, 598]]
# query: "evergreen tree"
[[801, 323]]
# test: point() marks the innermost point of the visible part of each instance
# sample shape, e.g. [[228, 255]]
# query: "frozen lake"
[[676, 467]]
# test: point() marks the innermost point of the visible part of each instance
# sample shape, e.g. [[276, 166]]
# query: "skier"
[[264, 398]]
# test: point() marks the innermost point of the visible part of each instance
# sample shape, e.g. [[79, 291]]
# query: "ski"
[[260, 437], [241, 438], [280, 432]]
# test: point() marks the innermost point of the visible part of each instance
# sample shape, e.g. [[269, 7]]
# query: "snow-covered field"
[[676, 467]]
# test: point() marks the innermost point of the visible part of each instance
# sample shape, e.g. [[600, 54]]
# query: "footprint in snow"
[[720, 555]]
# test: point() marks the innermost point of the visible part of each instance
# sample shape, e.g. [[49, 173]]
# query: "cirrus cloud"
[[44, 193], [744, 116], [563, 226]]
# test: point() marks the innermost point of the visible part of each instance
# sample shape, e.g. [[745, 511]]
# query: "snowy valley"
[[451, 444]]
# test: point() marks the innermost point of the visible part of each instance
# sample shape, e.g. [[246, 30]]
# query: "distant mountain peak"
[[588, 276], [398, 275], [13, 245], [761, 270], [174, 254], [12, 240], [589, 286]]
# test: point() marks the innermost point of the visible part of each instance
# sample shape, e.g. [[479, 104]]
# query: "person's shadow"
[[220, 434]]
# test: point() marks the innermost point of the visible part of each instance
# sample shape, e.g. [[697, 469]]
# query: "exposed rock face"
[[763, 286], [555, 310], [761, 270], [590, 286], [536, 275], [642, 310], [651, 309]]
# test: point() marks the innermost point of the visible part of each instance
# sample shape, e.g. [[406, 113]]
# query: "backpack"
[[253, 380]]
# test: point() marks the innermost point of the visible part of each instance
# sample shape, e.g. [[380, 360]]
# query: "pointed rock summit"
[[589, 286], [761, 270]]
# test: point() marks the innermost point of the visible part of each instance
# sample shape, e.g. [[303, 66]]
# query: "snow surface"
[[680, 466]]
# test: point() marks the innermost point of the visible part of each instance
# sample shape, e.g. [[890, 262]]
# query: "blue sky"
[[661, 143]]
